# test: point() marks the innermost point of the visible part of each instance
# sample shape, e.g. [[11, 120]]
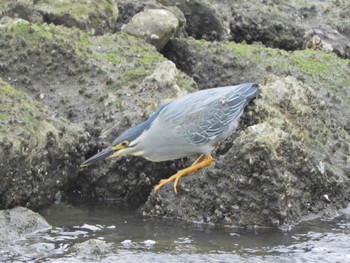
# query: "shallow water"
[[128, 237]]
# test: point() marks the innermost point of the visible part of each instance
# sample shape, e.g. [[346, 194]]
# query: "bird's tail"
[[249, 90]]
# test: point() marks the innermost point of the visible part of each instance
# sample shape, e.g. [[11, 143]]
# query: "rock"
[[6, 20], [19, 9], [156, 26], [278, 170], [255, 22], [203, 21], [164, 78], [92, 250], [18, 223], [96, 17], [32, 166], [283, 25], [328, 40], [181, 31]]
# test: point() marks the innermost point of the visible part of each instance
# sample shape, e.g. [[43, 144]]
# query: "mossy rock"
[[100, 71], [95, 17], [36, 151]]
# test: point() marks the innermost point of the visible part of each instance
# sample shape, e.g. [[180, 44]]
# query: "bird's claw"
[[201, 162], [174, 178]]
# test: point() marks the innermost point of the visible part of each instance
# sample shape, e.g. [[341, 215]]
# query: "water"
[[124, 236]]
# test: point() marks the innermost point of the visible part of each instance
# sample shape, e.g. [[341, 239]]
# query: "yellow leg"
[[202, 161], [199, 159]]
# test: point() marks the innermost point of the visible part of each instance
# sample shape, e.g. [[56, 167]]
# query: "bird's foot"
[[201, 162], [174, 178]]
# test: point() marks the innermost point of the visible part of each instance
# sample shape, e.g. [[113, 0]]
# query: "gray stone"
[[18, 223], [156, 26], [6, 20], [164, 77], [92, 250]]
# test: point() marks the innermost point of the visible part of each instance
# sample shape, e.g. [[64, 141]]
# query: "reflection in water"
[[125, 236]]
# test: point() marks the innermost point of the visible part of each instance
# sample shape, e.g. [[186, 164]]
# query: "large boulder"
[[290, 160]]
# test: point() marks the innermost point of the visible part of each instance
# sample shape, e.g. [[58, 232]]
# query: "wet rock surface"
[[18, 223], [67, 93], [92, 250]]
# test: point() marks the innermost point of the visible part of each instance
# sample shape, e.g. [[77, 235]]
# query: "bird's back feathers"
[[204, 115]]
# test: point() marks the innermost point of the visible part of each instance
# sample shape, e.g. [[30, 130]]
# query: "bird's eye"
[[125, 143]]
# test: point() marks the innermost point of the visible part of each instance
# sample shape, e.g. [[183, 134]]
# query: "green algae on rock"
[[96, 17], [108, 65], [18, 111]]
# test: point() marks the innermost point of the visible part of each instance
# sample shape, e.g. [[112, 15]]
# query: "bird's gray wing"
[[209, 114], [209, 123]]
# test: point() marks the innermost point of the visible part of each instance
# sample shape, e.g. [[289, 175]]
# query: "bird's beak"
[[108, 152]]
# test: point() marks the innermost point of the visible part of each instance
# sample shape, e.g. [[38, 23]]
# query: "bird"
[[192, 124]]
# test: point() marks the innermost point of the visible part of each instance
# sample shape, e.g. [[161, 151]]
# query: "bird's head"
[[123, 145], [127, 142]]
